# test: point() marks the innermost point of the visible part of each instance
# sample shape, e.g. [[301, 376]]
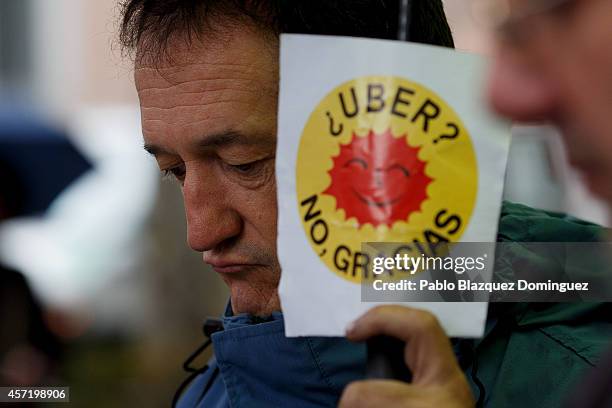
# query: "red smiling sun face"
[[378, 179]]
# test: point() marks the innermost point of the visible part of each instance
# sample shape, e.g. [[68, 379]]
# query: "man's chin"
[[252, 300]]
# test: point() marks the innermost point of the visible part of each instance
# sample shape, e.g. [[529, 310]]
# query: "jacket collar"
[[251, 353]]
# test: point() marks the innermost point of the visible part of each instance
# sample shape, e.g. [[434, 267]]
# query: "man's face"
[[209, 118], [557, 67]]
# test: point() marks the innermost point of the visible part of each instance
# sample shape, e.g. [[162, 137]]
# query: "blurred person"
[[29, 351], [552, 65], [207, 78]]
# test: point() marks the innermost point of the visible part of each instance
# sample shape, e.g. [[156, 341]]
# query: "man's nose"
[[518, 90], [210, 219]]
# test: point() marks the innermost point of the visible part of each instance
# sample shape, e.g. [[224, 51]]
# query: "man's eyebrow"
[[217, 140], [227, 138], [154, 150]]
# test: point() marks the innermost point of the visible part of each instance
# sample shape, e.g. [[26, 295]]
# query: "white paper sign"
[[379, 141]]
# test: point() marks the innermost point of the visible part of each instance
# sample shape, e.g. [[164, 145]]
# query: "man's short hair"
[[157, 20]]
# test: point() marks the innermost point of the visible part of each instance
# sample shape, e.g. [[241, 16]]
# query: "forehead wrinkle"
[[177, 115], [197, 106], [185, 86], [199, 99], [198, 72], [202, 85], [160, 128], [147, 79], [206, 89], [170, 70]]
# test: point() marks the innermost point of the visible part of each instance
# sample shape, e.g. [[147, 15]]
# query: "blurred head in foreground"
[[207, 76], [554, 64]]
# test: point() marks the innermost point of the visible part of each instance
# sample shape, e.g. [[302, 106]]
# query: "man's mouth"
[[225, 266], [236, 268]]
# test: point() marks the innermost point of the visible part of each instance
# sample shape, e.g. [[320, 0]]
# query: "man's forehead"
[[194, 76]]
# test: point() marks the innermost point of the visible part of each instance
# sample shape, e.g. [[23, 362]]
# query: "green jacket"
[[533, 354]]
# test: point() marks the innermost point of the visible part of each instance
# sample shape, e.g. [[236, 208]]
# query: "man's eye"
[[178, 172], [252, 174], [245, 168]]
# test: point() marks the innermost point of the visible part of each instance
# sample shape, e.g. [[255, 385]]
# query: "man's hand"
[[437, 380]]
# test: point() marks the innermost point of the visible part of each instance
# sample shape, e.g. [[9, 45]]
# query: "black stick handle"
[[405, 16], [386, 359], [386, 354]]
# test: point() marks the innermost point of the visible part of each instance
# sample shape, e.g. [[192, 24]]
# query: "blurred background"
[[98, 289]]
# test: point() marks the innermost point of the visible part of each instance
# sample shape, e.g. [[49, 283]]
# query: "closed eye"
[[358, 161], [251, 169], [400, 168], [244, 168]]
